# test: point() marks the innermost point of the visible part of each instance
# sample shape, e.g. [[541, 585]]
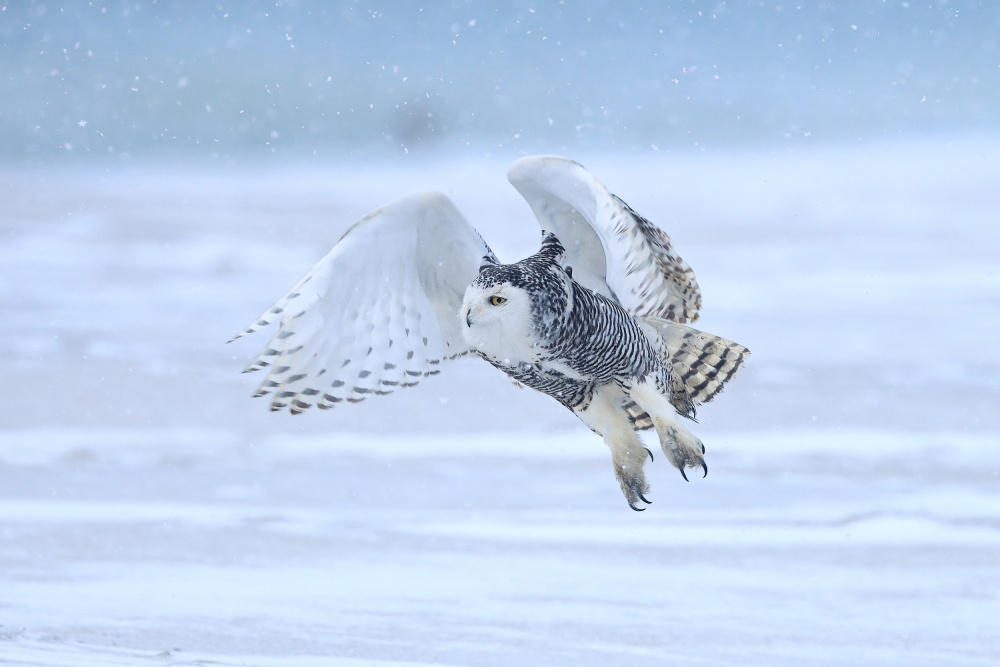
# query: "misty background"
[[347, 79]]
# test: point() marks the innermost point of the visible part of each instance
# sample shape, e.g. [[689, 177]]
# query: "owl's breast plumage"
[[590, 342]]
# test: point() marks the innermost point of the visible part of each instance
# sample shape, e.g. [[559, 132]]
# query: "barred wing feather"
[[613, 250], [378, 313]]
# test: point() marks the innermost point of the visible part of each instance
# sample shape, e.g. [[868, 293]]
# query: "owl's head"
[[511, 310]]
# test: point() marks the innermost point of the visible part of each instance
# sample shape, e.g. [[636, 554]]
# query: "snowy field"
[[152, 513]]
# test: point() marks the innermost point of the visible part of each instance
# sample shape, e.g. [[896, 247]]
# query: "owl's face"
[[509, 310], [496, 321]]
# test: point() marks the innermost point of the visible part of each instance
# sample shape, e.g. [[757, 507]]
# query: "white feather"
[[378, 312], [611, 250]]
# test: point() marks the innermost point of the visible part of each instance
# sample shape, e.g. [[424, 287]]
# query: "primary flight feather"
[[596, 319]]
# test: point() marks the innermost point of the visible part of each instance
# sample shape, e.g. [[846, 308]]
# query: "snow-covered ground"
[[152, 513]]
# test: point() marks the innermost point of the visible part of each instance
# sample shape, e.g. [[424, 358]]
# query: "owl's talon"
[[643, 498], [650, 454], [684, 475], [702, 448], [705, 466], [637, 509]]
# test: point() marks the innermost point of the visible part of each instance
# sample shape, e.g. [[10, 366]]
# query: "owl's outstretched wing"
[[379, 312], [612, 249]]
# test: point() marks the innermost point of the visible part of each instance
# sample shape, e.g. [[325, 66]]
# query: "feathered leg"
[[606, 417], [682, 448]]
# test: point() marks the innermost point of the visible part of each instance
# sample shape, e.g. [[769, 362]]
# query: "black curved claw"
[[684, 474], [637, 509], [705, 466], [650, 456], [648, 502], [702, 448]]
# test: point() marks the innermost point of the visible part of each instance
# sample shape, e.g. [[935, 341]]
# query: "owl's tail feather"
[[702, 362]]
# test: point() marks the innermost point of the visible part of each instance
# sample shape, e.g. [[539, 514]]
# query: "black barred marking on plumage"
[[707, 364], [641, 421], [597, 341], [699, 388], [703, 362], [591, 335], [293, 393], [295, 369], [294, 397], [659, 264], [730, 372]]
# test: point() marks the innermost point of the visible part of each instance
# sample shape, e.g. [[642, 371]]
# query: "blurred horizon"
[[363, 79]]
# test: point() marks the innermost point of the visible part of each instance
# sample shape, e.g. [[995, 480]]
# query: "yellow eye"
[[496, 300]]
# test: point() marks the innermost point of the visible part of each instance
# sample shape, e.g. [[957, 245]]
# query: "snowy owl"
[[596, 319]]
